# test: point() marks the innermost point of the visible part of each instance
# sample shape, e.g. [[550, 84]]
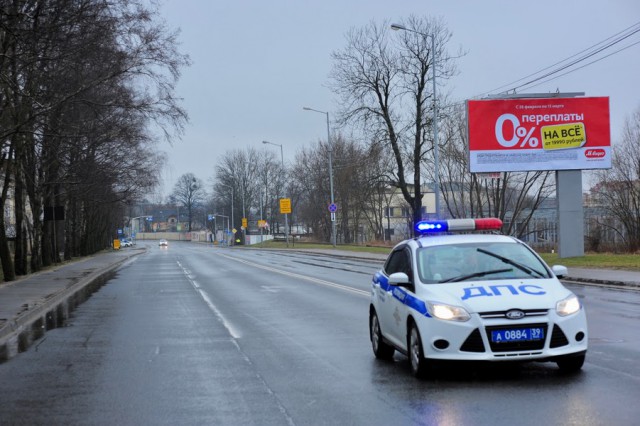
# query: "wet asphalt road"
[[202, 335]]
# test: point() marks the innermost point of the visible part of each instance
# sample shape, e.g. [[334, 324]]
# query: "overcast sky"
[[256, 63]]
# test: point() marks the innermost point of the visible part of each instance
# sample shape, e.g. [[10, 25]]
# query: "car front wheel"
[[380, 349], [416, 353]]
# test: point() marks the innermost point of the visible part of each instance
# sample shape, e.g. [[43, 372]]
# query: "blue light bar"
[[431, 226]]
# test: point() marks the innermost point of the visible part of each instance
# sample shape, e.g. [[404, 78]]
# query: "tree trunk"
[[5, 252]]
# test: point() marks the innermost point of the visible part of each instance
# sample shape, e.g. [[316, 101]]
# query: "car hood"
[[484, 296]]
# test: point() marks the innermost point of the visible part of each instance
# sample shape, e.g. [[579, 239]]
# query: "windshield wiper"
[[475, 274], [518, 265]]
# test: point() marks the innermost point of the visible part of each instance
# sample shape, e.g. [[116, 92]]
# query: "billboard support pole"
[[570, 213]]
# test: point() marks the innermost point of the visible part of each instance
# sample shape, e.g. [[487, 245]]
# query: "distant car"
[[473, 297], [125, 242], [163, 243]]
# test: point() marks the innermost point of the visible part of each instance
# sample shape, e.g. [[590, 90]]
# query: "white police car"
[[476, 297]]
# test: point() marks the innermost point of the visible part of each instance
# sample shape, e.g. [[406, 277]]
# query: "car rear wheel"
[[380, 349], [570, 364], [416, 353]]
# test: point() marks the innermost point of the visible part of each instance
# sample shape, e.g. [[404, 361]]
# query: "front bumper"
[[470, 340]]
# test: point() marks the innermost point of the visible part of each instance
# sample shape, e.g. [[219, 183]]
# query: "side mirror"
[[398, 278], [560, 271]]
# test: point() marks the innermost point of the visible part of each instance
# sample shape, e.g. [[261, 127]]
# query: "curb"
[[610, 283]]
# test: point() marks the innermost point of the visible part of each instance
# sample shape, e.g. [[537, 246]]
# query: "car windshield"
[[478, 261]]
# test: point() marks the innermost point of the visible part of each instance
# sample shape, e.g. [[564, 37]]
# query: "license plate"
[[517, 335]]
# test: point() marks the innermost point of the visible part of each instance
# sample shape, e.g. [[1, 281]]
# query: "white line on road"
[[235, 336], [205, 296]]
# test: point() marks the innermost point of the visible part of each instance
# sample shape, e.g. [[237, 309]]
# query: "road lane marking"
[[205, 296], [236, 335], [302, 277]]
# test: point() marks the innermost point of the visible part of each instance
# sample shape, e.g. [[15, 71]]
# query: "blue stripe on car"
[[401, 294]]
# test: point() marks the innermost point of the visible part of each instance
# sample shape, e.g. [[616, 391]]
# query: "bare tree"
[[361, 171], [81, 79], [379, 188], [271, 181], [357, 173], [311, 190], [236, 176], [190, 193], [253, 181], [383, 83], [618, 188]]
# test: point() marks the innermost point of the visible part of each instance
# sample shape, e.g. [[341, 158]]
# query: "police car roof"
[[440, 239]]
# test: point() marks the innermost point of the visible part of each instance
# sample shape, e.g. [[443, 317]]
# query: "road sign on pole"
[[285, 205]]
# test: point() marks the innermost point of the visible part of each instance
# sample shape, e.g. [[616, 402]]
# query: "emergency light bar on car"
[[452, 225]]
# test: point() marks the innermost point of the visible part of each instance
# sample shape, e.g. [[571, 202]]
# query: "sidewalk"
[[611, 277], [36, 303], [33, 304]]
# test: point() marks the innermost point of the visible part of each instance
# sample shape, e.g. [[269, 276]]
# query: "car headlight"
[[568, 306], [447, 312]]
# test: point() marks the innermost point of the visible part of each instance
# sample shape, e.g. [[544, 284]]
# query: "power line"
[[590, 52], [585, 65], [572, 63]]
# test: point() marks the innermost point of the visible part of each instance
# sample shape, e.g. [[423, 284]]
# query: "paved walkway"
[[35, 303], [47, 297]]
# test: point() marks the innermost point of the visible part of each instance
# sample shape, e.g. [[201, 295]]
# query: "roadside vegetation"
[[596, 260], [87, 90]]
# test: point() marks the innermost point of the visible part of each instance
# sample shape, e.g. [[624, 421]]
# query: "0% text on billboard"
[[522, 137]]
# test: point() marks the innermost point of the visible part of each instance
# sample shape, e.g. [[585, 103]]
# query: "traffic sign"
[[333, 207], [285, 205]]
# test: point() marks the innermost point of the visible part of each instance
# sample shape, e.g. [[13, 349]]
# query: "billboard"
[[507, 135]]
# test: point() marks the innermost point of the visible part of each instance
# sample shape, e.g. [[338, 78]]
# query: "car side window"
[[399, 261]]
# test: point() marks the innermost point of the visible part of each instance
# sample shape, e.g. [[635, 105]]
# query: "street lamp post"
[[333, 222], [286, 216], [436, 160]]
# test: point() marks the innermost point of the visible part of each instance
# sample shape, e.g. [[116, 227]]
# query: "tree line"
[[80, 83]]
